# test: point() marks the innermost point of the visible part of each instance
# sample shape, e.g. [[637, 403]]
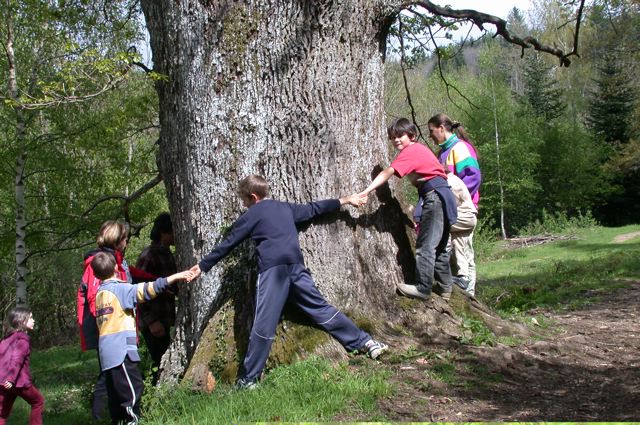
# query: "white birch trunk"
[[19, 186]]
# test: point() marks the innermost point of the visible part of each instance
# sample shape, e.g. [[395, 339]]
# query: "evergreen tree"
[[541, 90], [611, 104]]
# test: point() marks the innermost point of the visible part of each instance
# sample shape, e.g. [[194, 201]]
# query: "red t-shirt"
[[417, 162]]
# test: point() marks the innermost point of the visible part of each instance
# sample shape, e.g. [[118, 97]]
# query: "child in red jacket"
[[15, 376]]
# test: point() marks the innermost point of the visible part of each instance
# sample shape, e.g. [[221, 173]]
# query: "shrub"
[[558, 223]]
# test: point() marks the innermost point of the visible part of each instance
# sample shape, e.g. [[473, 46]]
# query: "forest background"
[[79, 130]]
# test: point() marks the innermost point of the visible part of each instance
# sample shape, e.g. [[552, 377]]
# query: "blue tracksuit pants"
[[293, 283]]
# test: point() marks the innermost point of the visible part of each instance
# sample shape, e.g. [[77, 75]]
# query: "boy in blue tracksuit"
[[118, 341], [282, 274]]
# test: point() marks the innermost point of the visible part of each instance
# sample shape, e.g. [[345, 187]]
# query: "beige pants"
[[462, 248]]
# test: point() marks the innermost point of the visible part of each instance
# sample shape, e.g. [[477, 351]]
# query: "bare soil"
[[584, 367]]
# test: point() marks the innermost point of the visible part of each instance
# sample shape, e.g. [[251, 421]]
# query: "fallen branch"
[[529, 241]]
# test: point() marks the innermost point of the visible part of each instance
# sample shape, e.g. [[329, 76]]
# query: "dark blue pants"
[[125, 387], [100, 400], [292, 283], [432, 257]]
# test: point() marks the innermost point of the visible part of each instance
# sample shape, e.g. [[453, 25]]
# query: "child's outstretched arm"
[[380, 179], [186, 275]]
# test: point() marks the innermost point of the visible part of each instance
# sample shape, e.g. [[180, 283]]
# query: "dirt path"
[[587, 369], [626, 237]]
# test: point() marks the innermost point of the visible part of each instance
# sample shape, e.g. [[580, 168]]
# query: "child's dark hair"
[[103, 265], [400, 127], [16, 320], [451, 126], [162, 224], [253, 184]]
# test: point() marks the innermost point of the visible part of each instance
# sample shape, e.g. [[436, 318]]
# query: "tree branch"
[[479, 19], [127, 200]]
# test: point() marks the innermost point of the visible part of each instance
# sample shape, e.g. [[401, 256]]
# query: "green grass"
[[65, 376], [310, 390], [561, 274], [476, 332]]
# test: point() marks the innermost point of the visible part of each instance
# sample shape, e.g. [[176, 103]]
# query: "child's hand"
[[185, 275], [8, 385], [355, 199], [364, 196], [195, 270]]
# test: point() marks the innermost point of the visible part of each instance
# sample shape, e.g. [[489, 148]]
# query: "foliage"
[[108, 148], [80, 142], [622, 205], [611, 103], [541, 92], [558, 223], [527, 117], [66, 51], [571, 176], [476, 332], [484, 238]]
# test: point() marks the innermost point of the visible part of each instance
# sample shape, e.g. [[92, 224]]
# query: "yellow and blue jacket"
[[115, 316]]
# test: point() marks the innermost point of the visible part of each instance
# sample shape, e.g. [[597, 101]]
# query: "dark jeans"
[[432, 258], [30, 394]]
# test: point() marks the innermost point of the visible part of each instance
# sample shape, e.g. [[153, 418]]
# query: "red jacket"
[[88, 289], [15, 351]]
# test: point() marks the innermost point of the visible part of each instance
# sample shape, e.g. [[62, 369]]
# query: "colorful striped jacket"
[[461, 159]]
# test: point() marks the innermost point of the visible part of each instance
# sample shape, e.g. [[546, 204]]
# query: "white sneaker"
[[375, 348], [412, 291]]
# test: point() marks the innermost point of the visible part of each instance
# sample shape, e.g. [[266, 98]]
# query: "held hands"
[[7, 385], [356, 199], [184, 275], [364, 195], [195, 272]]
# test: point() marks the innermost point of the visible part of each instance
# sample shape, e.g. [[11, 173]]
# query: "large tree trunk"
[[292, 91]]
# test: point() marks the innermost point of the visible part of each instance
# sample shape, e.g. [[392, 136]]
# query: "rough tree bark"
[[292, 90]]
